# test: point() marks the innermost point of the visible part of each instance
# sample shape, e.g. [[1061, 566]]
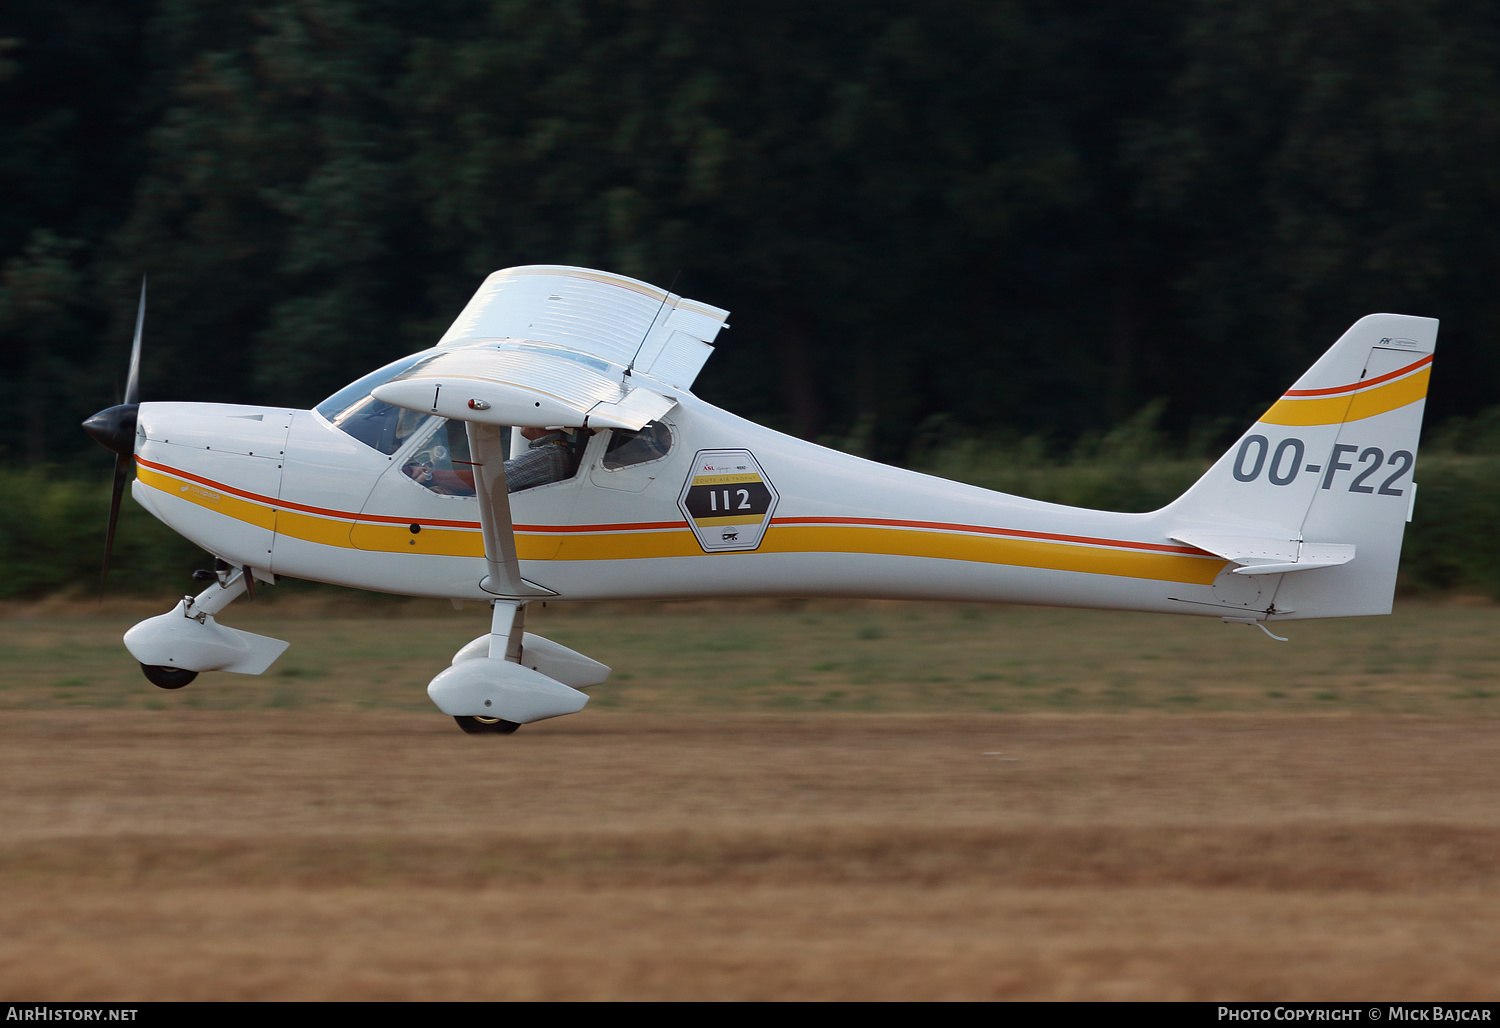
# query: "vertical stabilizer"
[[1313, 500]]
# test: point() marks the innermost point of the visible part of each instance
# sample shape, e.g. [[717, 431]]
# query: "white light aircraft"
[[398, 483]]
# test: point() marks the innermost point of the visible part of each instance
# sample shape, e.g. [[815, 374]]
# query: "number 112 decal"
[[727, 500]]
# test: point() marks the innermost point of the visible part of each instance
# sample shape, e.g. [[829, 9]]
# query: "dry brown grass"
[[298, 855]]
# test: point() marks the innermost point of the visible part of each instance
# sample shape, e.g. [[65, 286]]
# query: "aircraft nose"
[[114, 428]]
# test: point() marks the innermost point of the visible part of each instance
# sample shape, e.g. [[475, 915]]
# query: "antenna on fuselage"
[[631, 367]]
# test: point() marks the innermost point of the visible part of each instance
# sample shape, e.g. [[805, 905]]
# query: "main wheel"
[[485, 725], [167, 677]]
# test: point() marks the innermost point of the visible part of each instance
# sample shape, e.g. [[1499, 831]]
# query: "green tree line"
[[987, 215]]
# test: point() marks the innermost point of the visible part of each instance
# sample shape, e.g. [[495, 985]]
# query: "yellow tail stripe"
[[1334, 410]]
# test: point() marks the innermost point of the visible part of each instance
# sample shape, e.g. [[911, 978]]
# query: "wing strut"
[[486, 446]]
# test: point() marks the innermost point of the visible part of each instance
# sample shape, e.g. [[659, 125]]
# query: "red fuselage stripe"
[[648, 526]]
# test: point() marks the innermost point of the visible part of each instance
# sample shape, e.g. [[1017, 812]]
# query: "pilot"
[[549, 458]]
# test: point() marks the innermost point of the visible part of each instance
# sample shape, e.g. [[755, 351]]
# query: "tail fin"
[[1312, 502]]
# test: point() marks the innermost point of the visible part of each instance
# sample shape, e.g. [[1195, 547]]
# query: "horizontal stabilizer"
[[1269, 556]]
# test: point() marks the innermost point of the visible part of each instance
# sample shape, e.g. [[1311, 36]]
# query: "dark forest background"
[[1041, 216], [1069, 223]]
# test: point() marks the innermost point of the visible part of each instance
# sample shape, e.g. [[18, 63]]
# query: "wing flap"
[[639, 407]]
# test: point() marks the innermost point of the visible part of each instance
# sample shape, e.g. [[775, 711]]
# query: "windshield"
[[373, 423]]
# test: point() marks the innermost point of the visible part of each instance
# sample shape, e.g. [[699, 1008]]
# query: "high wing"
[[555, 346], [546, 347]]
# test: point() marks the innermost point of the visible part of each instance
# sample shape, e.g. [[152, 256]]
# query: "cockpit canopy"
[[381, 425], [440, 459]]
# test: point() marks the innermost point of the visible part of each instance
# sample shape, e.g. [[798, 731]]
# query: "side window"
[[628, 448], [441, 461]]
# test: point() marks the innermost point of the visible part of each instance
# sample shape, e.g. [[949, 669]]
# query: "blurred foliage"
[[1133, 467], [52, 540], [1025, 217]]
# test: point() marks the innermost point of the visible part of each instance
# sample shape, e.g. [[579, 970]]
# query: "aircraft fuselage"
[[733, 509]]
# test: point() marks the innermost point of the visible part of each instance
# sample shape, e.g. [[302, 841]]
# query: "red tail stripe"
[[1360, 385]]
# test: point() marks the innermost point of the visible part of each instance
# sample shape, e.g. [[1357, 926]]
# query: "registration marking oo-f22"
[[1284, 463]]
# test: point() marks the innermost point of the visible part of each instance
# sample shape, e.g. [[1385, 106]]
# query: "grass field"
[[819, 800], [1431, 658]]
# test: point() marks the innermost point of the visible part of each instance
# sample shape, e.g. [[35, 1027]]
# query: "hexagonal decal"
[[727, 500]]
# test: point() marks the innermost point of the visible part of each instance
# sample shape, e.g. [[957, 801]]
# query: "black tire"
[[485, 725], [167, 677]]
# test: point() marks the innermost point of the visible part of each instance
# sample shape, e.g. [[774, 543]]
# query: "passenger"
[[549, 458]]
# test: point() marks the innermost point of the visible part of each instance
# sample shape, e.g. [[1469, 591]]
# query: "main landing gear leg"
[[507, 628]]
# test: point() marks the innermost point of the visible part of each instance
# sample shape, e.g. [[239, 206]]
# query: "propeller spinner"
[[114, 429]]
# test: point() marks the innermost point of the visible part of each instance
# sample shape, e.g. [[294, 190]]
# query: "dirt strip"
[[281, 855]]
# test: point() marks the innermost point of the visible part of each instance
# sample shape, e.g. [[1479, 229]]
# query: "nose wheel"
[[483, 725], [167, 677]]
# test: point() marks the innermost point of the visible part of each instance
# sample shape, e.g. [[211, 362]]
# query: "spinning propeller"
[[114, 429]]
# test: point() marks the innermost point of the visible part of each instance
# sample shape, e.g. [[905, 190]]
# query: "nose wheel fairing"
[[187, 638]]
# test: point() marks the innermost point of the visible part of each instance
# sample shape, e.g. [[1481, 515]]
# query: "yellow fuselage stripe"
[[228, 504], [900, 542]]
